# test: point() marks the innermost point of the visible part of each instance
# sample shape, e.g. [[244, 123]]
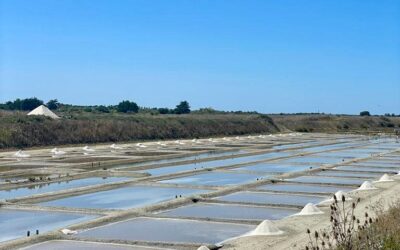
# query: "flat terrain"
[[186, 193]]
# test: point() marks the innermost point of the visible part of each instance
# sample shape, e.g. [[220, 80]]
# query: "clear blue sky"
[[339, 56]]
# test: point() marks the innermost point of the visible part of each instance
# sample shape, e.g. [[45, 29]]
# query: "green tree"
[[24, 104], [102, 109], [127, 106], [182, 108], [164, 111], [53, 104], [365, 113]]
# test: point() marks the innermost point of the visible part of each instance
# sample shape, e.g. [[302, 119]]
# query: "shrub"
[[127, 106], [365, 113], [182, 108]]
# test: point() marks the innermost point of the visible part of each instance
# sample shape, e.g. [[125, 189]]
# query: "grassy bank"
[[338, 123], [18, 130]]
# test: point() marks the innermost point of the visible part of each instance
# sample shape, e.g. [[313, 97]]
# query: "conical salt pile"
[[203, 248], [367, 185], [266, 227], [339, 194], [68, 232], [21, 154], [310, 209], [87, 149], [385, 178]]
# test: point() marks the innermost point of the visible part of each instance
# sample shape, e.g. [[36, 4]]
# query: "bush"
[[365, 113], [127, 106], [102, 109], [182, 108], [53, 104]]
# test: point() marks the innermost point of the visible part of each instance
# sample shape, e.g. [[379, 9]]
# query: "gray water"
[[15, 223], [57, 186], [123, 198], [348, 174], [227, 211], [323, 179], [167, 230], [213, 164], [71, 244], [273, 167], [272, 198], [215, 178], [306, 188]]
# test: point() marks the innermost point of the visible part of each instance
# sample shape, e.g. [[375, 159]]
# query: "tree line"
[[124, 106]]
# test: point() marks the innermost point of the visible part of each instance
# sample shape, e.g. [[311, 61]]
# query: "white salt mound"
[[86, 148], [310, 209], [203, 248], [367, 185], [21, 154], [68, 232], [339, 194], [266, 227], [385, 177]]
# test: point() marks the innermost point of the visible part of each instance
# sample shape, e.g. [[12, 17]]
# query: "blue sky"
[[338, 56]]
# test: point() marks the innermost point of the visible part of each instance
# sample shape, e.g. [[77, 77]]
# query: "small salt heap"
[[310, 209], [87, 149], [266, 227], [385, 178], [113, 146], [339, 194], [203, 248], [21, 154], [367, 185], [68, 232]]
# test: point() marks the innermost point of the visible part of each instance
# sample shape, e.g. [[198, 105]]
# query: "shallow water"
[[185, 158], [272, 198], [71, 244], [57, 186], [273, 167], [213, 164], [123, 198], [306, 188], [168, 230], [347, 174], [228, 211], [15, 223], [364, 168], [323, 179], [311, 159], [215, 178], [344, 154]]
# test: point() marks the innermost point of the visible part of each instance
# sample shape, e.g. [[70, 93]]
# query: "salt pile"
[[339, 194], [113, 146], [87, 149], [57, 152], [68, 232], [140, 145], [367, 185], [203, 248], [21, 154], [266, 227], [310, 209], [385, 178]]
